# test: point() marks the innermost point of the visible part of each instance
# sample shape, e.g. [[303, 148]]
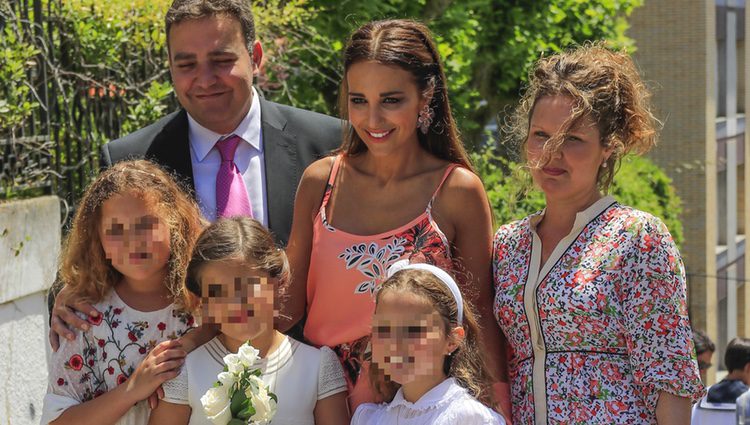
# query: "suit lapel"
[[171, 148], [281, 168]]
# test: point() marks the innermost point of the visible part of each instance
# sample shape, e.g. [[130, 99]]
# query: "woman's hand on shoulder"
[[63, 317]]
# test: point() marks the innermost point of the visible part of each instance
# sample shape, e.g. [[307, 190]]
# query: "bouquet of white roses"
[[240, 397]]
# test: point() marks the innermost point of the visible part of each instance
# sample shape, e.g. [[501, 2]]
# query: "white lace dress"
[[446, 404], [107, 354], [297, 373]]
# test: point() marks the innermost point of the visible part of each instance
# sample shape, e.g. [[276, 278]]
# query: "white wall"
[[29, 246]]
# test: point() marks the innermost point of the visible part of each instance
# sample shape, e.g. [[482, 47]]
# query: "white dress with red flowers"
[[599, 329], [107, 354]]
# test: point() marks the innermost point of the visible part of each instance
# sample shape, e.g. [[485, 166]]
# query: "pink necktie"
[[231, 193]]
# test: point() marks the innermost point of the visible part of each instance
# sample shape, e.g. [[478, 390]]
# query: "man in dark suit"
[[213, 56]]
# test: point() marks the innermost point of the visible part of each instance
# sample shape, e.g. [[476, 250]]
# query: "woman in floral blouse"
[[591, 293]]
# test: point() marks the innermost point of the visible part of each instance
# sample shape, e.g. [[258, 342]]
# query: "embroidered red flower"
[[190, 321], [161, 326], [132, 336], [60, 382], [75, 362], [91, 362], [142, 350], [95, 320], [111, 370], [121, 379], [115, 324], [117, 311]]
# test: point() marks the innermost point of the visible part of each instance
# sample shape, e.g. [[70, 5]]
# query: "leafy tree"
[[487, 45]]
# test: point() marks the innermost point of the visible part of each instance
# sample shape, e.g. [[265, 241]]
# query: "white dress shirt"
[[248, 158]]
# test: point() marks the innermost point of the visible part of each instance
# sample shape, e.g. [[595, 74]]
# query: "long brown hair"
[[606, 87], [84, 267], [408, 45], [467, 364]]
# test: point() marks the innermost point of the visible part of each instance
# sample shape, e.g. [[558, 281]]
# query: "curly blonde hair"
[[606, 87], [84, 267], [467, 363]]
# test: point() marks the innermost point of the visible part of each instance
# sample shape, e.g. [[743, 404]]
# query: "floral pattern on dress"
[[109, 352], [613, 318], [419, 243]]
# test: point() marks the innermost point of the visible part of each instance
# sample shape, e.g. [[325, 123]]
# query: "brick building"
[[693, 52]]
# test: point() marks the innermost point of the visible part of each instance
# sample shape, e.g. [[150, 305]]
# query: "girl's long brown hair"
[[408, 45], [467, 364], [84, 267]]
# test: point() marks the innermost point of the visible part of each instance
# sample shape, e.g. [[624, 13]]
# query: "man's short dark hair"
[[737, 354], [702, 342], [187, 10]]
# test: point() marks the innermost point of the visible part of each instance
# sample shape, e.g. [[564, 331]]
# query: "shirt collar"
[[440, 394], [582, 217], [202, 140]]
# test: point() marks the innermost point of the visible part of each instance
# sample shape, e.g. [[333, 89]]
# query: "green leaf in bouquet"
[[237, 404], [247, 412], [235, 421], [273, 397]]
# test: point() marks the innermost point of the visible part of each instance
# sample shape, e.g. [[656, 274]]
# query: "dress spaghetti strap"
[[447, 172]]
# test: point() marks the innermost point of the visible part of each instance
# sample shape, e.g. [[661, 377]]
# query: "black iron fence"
[[59, 107]]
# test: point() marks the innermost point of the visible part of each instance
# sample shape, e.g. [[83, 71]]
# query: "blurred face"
[[384, 102], [409, 342], [133, 237], [571, 172], [212, 71], [238, 298]]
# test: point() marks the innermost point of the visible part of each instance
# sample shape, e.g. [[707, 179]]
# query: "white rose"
[[265, 407], [248, 354], [216, 405], [227, 379], [233, 363], [256, 384]]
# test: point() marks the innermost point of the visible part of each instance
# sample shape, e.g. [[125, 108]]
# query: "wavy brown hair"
[[408, 45], [466, 364], [238, 239], [606, 87], [84, 267]]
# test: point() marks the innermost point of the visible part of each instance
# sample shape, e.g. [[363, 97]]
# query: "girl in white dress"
[[425, 354], [237, 270], [127, 253]]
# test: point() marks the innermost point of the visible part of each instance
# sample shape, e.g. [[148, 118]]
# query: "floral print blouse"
[[105, 356], [599, 329]]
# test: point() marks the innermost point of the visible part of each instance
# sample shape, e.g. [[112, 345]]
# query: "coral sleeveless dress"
[[344, 271]]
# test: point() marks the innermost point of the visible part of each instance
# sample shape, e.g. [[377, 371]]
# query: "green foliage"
[[487, 45], [639, 183], [17, 60]]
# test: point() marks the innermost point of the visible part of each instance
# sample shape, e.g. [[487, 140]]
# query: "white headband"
[[440, 274]]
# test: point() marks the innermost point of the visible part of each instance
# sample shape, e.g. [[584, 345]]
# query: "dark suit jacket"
[[292, 139]]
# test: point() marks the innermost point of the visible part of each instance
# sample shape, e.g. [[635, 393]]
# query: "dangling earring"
[[604, 164], [425, 117]]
